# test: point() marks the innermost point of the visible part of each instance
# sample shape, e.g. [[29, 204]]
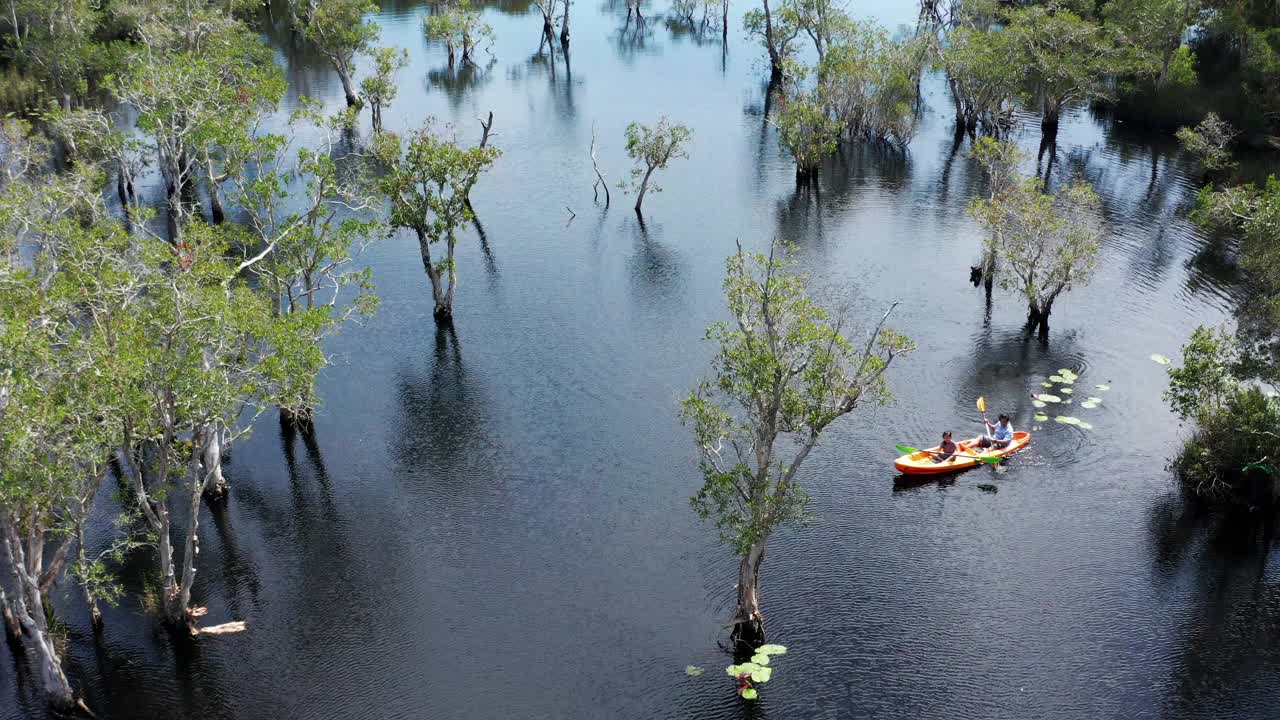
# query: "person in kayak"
[[999, 434], [946, 450]]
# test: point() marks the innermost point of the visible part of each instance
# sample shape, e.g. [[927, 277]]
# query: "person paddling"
[[999, 434]]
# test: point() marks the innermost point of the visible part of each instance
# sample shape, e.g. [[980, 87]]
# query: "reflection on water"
[[491, 520]]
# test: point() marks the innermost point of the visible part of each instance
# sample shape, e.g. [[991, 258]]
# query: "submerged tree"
[[337, 29], [652, 148], [776, 34], [427, 181], [1042, 244], [1210, 143], [808, 133], [458, 26], [785, 371], [379, 89], [980, 67]]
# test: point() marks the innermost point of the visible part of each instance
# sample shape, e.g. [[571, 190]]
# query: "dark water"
[[492, 521]]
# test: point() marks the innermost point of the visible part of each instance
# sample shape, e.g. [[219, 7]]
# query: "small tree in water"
[[337, 29], [808, 133], [427, 180], [1041, 244], [652, 148], [379, 89], [1210, 142], [784, 370]]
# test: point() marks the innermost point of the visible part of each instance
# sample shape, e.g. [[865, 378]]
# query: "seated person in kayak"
[[946, 450], [999, 434]]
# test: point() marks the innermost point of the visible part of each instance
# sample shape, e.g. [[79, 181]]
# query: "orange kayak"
[[921, 463]]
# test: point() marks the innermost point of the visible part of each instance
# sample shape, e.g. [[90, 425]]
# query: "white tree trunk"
[[25, 603]]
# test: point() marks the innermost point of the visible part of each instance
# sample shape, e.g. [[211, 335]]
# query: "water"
[[493, 521]]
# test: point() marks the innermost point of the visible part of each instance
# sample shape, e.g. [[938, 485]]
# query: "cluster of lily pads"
[[749, 674], [1065, 378]]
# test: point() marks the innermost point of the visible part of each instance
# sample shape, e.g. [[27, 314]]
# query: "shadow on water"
[[1228, 652], [457, 80]]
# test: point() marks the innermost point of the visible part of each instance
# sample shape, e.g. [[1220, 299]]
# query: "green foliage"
[[807, 133], [1000, 162], [1230, 458], [338, 29], [867, 82], [1067, 58], [776, 32], [783, 368], [652, 148], [982, 72], [1046, 243], [750, 674], [457, 25], [1181, 70], [1210, 142], [379, 89]]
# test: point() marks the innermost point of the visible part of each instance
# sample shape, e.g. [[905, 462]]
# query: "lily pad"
[[771, 650], [1049, 385], [1088, 405], [1038, 403], [760, 659], [1055, 378], [1045, 397], [1068, 391], [1040, 417], [1095, 400], [1065, 371], [1084, 425], [762, 675], [749, 693], [1157, 357], [693, 670], [1102, 388], [1068, 380], [1067, 420]]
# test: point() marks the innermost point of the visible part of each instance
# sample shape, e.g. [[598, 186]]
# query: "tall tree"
[[337, 29], [427, 179], [785, 370], [777, 35], [458, 26], [379, 88], [1043, 244], [652, 148]]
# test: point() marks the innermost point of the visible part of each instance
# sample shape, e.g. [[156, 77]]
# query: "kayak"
[[921, 463]]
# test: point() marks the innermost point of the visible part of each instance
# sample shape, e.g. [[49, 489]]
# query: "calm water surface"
[[492, 521]]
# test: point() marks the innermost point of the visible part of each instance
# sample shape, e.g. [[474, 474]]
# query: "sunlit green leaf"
[[1038, 403], [1084, 425], [760, 659], [748, 693], [1160, 358], [1067, 391], [1040, 417], [1055, 378], [762, 675], [693, 670], [771, 650], [1067, 420], [1046, 384], [1103, 388], [1045, 397]]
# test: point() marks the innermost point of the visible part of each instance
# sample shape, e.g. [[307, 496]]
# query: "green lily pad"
[[762, 675], [1068, 391], [1068, 380], [1040, 417], [1045, 397], [760, 659], [1088, 405], [749, 693], [693, 670], [1102, 388], [1160, 358], [1048, 385], [1084, 425], [1067, 420], [1065, 371], [1055, 378], [1038, 403], [1096, 400], [771, 650]]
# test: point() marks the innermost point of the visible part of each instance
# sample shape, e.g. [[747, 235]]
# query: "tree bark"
[[442, 297], [644, 187], [775, 58], [1038, 317], [1049, 117], [26, 609], [748, 622], [214, 484], [215, 195], [564, 27], [348, 87]]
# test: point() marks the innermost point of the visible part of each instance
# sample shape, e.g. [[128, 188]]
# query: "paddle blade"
[[982, 404], [905, 449]]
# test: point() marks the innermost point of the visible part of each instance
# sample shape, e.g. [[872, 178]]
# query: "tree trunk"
[[26, 609], [215, 195], [95, 614], [1038, 317], [775, 58], [214, 484], [748, 621], [443, 298], [564, 27], [644, 187], [1049, 117], [348, 87]]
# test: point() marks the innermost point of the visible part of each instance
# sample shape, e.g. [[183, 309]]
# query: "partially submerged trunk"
[[348, 87], [441, 286], [748, 621], [215, 194], [24, 607], [1038, 316], [775, 57], [564, 27], [214, 484], [1049, 117], [644, 187]]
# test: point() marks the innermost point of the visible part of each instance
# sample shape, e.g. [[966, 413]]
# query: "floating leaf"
[[1068, 380], [1068, 391], [1103, 388], [693, 670], [1048, 385], [1065, 371], [1084, 425], [1088, 404], [1160, 358], [1041, 417], [1045, 397], [1055, 378], [1038, 403], [747, 667], [1067, 420], [748, 693], [760, 659], [1095, 400], [732, 671], [771, 650], [762, 675]]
